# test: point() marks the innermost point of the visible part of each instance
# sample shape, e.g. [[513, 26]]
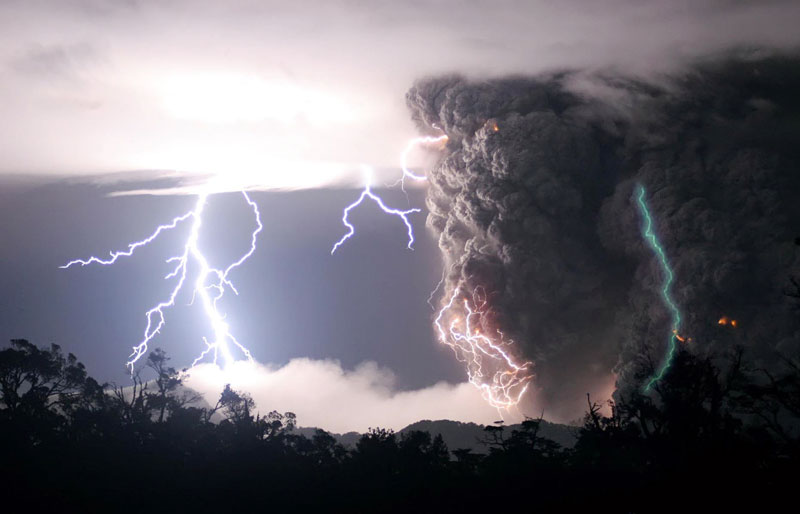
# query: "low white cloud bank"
[[325, 395]]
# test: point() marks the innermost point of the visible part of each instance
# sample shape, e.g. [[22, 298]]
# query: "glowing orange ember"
[[723, 320], [680, 337]]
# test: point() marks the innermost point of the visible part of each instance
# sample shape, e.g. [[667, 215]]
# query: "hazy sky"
[[276, 95], [293, 94], [367, 303]]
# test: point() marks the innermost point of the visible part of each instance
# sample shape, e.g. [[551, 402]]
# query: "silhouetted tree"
[[774, 398], [33, 379], [65, 437], [168, 396], [131, 402], [325, 451]]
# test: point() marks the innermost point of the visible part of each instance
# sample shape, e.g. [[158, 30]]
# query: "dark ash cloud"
[[539, 211]]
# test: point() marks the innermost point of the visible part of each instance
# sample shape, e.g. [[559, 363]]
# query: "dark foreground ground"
[[705, 439]]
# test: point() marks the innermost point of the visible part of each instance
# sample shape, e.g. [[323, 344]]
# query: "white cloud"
[[91, 86], [325, 395]]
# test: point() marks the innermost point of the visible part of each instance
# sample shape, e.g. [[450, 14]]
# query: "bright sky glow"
[[224, 97], [101, 87]]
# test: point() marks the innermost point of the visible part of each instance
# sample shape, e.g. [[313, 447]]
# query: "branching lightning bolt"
[[436, 289], [413, 143], [490, 367], [209, 285], [367, 193], [655, 245]]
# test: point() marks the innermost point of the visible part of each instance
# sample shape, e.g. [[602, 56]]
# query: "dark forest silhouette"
[[712, 432]]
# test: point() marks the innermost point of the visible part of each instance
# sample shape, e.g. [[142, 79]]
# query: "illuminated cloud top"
[[291, 96]]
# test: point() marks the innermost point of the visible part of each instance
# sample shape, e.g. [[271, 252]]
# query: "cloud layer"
[[325, 395], [283, 95]]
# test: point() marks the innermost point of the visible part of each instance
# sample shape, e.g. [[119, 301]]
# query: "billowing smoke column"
[[515, 203], [534, 203]]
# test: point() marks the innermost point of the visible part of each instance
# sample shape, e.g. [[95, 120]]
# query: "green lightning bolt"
[[655, 245]]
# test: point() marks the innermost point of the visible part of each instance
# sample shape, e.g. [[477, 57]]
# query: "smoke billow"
[[533, 203]]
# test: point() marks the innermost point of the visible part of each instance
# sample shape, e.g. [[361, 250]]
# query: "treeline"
[[705, 438]]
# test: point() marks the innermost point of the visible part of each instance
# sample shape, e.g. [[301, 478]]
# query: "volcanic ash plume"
[[533, 206], [515, 205]]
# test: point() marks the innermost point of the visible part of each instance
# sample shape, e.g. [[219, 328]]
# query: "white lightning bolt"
[[413, 143], [367, 193], [501, 380], [209, 285], [490, 367], [436, 289]]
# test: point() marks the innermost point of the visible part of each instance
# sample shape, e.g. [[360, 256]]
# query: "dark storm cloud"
[[515, 209], [719, 156], [539, 211]]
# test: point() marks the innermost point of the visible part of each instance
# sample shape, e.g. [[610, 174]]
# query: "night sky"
[[367, 302], [554, 113]]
